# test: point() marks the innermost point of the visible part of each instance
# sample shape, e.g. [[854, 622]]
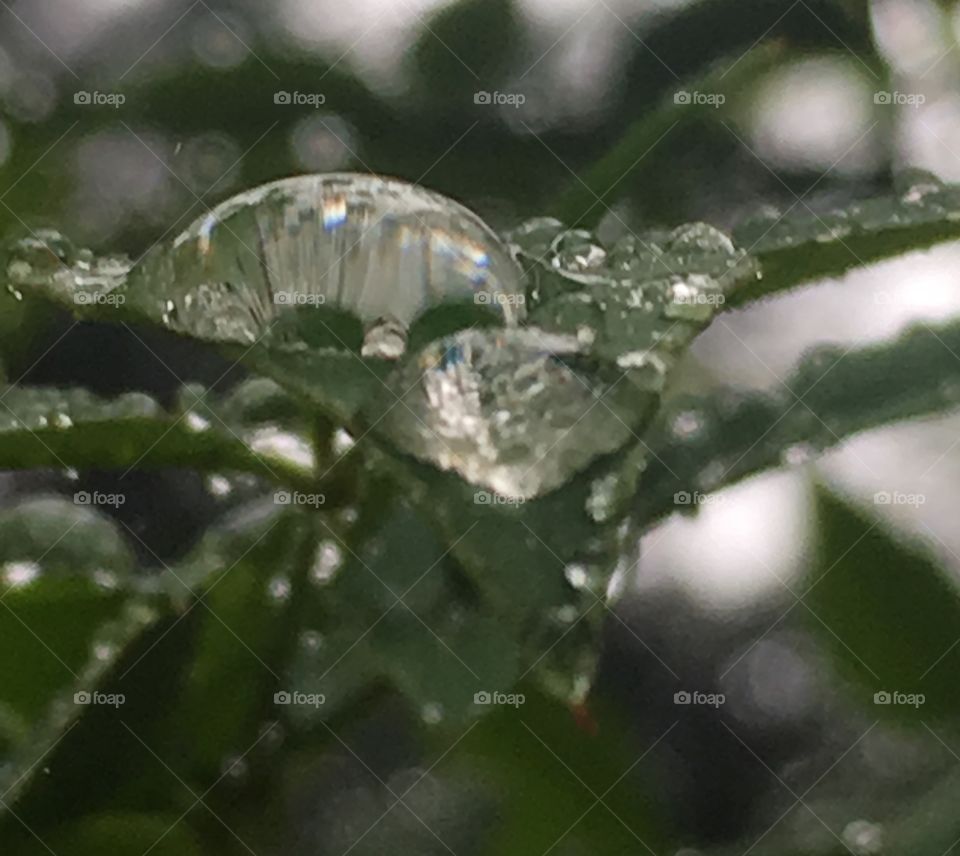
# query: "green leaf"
[[60, 428], [242, 579], [589, 196], [703, 443], [121, 835], [68, 610], [887, 613], [805, 245]]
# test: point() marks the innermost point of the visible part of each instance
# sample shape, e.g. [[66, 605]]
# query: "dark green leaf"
[[805, 245], [887, 613]]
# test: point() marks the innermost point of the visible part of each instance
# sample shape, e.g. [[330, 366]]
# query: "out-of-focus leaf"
[[888, 615], [121, 835], [701, 444], [587, 198], [466, 47], [41, 427], [246, 576], [68, 610], [553, 805], [805, 245], [396, 608]]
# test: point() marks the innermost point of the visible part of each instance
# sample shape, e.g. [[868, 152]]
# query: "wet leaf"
[[887, 613], [805, 245], [120, 834], [68, 609], [61, 428], [704, 443], [242, 579]]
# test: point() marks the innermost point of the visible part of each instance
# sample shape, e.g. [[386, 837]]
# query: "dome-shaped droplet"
[[378, 248]]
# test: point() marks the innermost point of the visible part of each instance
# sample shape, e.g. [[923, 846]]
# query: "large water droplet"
[[510, 410]]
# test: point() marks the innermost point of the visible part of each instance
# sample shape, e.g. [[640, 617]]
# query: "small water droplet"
[[863, 837], [235, 768], [279, 589], [219, 486], [687, 424], [432, 713], [107, 580], [195, 422], [327, 561], [311, 641], [385, 340], [20, 574], [343, 442]]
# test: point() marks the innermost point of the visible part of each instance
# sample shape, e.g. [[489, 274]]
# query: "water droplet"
[[507, 411], [279, 589], [105, 579], [327, 561], [577, 575], [219, 486], [311, 641], [798, 454], [195, 422], [863, 837], [432, 713], [104, 651], [343, 442], [235, 768], [20, 574], [687, 424], [385, 340], [285, 445]]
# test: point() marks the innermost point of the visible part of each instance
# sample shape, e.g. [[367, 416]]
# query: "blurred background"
[[121, 121]]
